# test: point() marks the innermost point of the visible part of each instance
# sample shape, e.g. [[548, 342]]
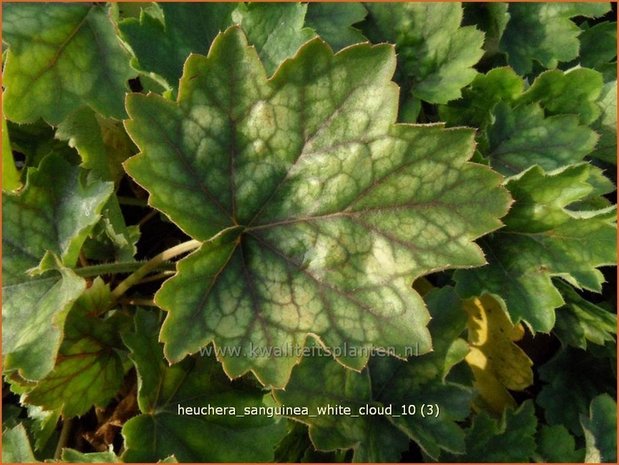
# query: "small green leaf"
[[102, 143], [111, 238], [580, 321], [88, 371], [162, 42], [388, 383], [435, 52], [479, 99], [543, 32], [334, 208], [586, 375], [556, 444], [508, 439], [542, 239], [194, 382], [333, 22], [601, 430], [16, 446], [61, 57], [572, 92], [275, 29], [54, 212], [522, 137]]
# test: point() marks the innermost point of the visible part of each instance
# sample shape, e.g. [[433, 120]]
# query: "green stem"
[[64, 437], [112, 268], [153, 264]]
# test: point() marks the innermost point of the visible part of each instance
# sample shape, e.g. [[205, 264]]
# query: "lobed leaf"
[[510, 438], [387, 382], [321, 210], [580, 321], [543, 32], [556, 444], [61, 57], [522, 137], [53, 213], [195, 382], [102, 143], [276, 30], [162, 39], [334, 22], [498, 364], [542, 239], [587, 376], [435, 52], [88, 371]]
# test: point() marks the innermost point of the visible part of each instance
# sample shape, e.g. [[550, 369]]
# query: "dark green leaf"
[[195, 382], [162, 40], [334, 22], [61, 57], [544, 32], [542, 239], [509, 439], [522, 137], [88, 370], [600, 428], [556, 444], [573, 378], [54, 212]]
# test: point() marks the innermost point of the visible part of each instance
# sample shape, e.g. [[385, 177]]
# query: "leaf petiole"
[[152, 265]]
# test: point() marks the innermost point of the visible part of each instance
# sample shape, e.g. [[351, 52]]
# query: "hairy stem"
[[152, 265]]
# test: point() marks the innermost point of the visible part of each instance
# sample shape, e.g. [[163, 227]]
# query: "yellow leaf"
[[497, 363]]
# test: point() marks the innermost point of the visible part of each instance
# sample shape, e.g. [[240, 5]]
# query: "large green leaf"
[[88, 371], [543, 32], [325, 209], [543, 238], [388, 383], [61, 57], [434, 51], [601, 430], [162, 42], [160, 431], [54, 212]]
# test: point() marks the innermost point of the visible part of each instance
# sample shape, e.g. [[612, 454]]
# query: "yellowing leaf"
[[497, 363]]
